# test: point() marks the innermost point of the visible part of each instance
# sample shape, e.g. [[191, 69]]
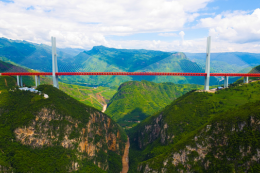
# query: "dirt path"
[[104, 108], [125, 160]]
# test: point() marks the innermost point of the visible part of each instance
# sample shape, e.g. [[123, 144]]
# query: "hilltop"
[[134, 101], [158, 133], [58, 134], [104, 59]]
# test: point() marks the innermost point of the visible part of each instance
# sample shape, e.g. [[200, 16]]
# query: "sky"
[[166, 25]]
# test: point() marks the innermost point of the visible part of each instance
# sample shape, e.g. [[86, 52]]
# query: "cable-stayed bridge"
[[55, 72]]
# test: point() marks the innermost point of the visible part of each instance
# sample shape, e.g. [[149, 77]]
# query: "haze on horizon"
[[167, 25]]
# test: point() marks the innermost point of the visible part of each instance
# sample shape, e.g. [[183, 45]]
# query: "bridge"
[[55, 72]]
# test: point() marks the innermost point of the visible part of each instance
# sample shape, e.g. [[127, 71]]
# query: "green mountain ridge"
[[159, 133], [135, 101], [102, 59], [229, 142], [105, 59], [48, 135]]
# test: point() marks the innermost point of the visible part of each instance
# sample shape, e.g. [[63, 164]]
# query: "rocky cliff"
[[88, 140], [58, 133], [229, 143], [157, 134]]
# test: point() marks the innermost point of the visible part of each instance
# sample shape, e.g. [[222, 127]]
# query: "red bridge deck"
[[130, 74]]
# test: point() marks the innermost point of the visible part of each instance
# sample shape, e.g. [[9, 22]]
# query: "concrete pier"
[[54, 63], [246, 79], [37, 80], [21, 81], [207, 69], [18, 80], [226, 82]]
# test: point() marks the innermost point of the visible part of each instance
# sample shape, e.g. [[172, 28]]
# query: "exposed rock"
[[213, 142], [43, 131]]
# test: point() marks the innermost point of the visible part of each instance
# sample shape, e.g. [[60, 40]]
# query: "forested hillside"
[[33, 56], [102, 59], [58, 134], [135, 101], [96, 97], [93, 96], [229, 142], [158, 133]]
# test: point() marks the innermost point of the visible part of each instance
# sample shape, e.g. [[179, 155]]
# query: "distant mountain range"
[[228, 62], [103, 59]]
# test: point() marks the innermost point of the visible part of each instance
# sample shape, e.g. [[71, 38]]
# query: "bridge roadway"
[[127, 73]]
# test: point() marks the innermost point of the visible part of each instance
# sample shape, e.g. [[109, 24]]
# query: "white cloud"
[[84, 24], [238, 26], [195, 46], [87, 23]]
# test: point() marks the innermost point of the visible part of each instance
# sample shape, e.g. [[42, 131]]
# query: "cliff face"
[[96, 135], [158, 133], [58, 134], [230, 143], [156, 129]]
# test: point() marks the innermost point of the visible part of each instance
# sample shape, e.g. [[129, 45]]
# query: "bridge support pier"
[[246, 79], [18, 81], [226, 82], [54, 63], [21, 81], [37, 80], [207, 69]]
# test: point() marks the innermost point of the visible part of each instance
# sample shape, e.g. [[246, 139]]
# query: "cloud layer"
[[84, 24], [237, 27]]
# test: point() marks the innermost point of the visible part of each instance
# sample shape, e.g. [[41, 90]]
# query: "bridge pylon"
[[207, 69], [54, 63]]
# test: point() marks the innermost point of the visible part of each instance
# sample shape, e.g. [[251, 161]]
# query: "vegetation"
[[100, 58], [233, 145], [184, 115], [19, 108], [92, 96], [136, 100]]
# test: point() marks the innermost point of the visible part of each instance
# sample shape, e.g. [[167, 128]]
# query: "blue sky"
[[168, 25]]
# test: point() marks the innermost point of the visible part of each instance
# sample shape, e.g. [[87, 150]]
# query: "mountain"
[[255, 70], [159, 133], [33, 56], [229, 142], [227, 62], [96, 97], [57, 134], [134, 101], [104, 59], [7, 67]]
